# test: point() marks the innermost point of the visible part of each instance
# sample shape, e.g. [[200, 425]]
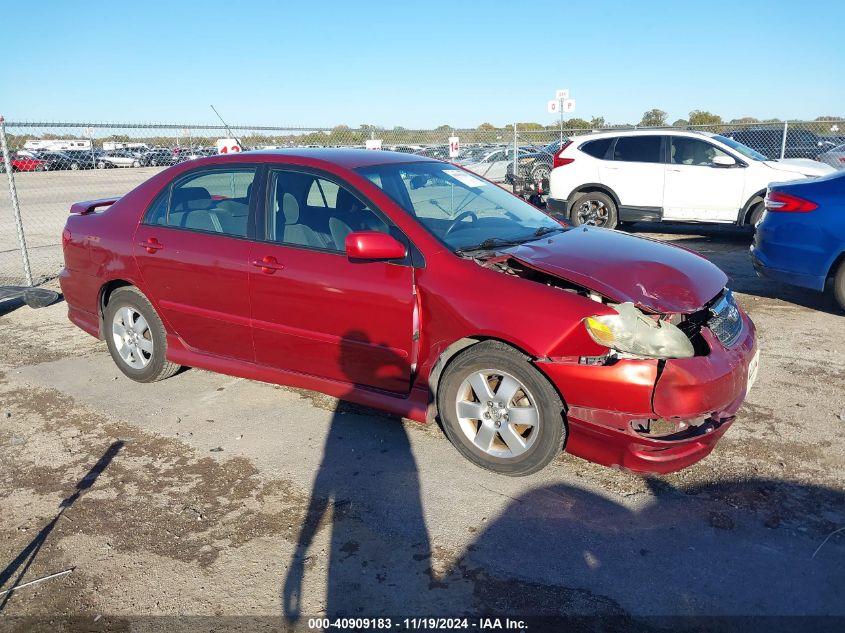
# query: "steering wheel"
[[457, 220]]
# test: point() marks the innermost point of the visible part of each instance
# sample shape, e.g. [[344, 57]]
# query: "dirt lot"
[[206, 495]]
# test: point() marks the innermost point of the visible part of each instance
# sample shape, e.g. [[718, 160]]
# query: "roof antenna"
[[226, 126]]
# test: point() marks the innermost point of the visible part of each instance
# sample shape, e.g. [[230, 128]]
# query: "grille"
[[726, 322]]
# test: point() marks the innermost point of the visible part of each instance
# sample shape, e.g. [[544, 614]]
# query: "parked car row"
[[52, 160], [770, 142]]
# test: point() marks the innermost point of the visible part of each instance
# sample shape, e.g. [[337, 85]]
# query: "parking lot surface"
[[211, 495]]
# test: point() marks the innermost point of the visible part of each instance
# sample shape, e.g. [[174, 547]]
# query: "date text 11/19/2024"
[[417, 624]]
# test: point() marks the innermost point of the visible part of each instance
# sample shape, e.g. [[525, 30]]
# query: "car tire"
[[839, 285], [594, 209], [101, 165], [136, 164], [492, 440], [755, 214], [136, 337], [74, 166], [540, 172], [153, 163], [39, 168]]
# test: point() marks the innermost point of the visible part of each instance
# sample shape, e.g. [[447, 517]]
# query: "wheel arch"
[[592, 187], [745, 211], [454, 350], [106, 291], [834, 266]]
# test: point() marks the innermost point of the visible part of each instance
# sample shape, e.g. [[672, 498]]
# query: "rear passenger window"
[[638, 149], [212, 201], [598, 148]]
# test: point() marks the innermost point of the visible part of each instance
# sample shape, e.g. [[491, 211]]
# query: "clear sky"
[[418, 64]]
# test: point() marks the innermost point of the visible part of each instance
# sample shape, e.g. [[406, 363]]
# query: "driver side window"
[[313, 212]]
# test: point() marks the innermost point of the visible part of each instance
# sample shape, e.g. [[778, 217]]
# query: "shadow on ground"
[[732, 547]]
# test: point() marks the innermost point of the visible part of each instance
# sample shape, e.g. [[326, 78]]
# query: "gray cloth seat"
[[294, 231], [351, 215]]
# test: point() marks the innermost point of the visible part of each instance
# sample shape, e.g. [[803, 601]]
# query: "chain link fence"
[[51, 165]]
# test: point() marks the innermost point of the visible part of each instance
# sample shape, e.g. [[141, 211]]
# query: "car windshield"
[[460, 209], [739, 147]]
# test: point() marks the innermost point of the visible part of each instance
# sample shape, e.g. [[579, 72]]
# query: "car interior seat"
[[294, 231], [351, 215]]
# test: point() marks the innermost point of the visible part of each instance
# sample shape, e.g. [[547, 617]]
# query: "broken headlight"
[[632, 332]]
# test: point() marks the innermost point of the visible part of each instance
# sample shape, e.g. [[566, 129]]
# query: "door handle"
[[673, 169], [151, 245], [268, 264]]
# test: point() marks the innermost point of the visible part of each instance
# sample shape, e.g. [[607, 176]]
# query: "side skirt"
[[412, 407]]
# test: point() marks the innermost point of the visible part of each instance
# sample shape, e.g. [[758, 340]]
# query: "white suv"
[[649, 175]]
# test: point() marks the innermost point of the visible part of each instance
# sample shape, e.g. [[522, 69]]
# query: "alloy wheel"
[[132, 337], [497, 413], [593, 213]]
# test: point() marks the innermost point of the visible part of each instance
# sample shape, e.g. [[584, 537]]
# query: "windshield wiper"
[[487, 244], [545, 230]]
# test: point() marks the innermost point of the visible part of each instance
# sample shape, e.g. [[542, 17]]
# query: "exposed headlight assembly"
[[632, 332]]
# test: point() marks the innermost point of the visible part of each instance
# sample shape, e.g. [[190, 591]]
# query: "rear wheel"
[[594, 209], [136, 163], [839, 285], [74, 166], [101, 165], [540, 172], [499, 411], [136, 337]]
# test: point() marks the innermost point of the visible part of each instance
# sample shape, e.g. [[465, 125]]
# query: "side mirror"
[[373, 245], [723, 161]]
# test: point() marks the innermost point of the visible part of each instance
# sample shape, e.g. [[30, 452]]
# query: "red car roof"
[[347, 158]]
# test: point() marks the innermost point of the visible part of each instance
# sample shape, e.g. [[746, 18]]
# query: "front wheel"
[[101, 165], [136, 337], [499, 411], [74, 166], [136, 163], [839, 285], [594, 209]]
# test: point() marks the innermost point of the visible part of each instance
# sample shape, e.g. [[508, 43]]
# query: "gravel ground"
[[206, 495]]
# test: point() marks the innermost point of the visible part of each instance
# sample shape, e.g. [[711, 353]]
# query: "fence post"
[[783, 141], [16, 207], [515, 152]]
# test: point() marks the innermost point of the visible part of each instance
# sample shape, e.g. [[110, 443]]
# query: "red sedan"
[[23, 162], [414, 286]]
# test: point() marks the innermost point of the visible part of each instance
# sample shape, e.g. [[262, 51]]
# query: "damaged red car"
[[414, 286]]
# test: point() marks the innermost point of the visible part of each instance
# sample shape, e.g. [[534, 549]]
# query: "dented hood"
[[651, 274]]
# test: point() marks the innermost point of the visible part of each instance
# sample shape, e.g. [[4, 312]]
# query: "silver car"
[[834, 157], [118, 158]]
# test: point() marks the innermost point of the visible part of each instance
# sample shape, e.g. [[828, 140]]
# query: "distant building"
[[58, 145]]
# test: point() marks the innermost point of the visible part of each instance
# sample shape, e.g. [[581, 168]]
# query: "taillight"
[[66, 237], [784, 202], [560, 161]]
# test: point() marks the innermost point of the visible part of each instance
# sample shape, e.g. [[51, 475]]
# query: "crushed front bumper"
[[611, 407]]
